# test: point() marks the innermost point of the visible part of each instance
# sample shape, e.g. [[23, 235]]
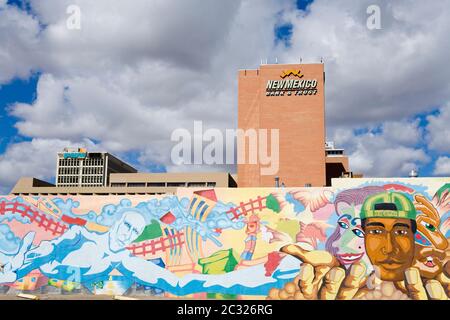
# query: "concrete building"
[[291, 98], [75, 167], [129, 183], [336, 163]]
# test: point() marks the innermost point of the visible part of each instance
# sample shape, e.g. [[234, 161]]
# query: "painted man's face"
[[126, 230], [390, 246], [350, 243]]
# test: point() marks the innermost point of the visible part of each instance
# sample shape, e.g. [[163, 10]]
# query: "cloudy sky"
[[137, 70]]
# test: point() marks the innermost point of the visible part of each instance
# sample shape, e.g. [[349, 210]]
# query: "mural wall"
[[375, 240]]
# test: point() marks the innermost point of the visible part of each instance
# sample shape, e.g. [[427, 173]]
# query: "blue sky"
[[116, 72], [17, 91]]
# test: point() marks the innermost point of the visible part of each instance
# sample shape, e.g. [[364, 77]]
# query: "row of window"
[[69, 162], [67, 180], [93, 162], [77, 162], [92, 179], [335, 152], [68, 170], [92, 170], [162, 184]]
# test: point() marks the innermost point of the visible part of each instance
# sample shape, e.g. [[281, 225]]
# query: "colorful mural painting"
[[374, 240]]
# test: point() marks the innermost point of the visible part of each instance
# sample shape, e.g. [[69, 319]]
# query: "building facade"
[[75, 167], [290, 98], [130, 184]]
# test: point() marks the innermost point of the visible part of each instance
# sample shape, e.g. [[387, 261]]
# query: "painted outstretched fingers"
[[322, 276], [419, 289], [445, 282]]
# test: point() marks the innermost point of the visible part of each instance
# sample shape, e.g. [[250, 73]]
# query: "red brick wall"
[[300, 119]]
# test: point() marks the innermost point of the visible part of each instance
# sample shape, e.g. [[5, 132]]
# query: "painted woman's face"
[[350, 243]]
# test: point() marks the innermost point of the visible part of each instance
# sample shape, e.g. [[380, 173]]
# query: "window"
[[136, 184], [118, 184], [211, 184], [156, 184], [196, 184], [176, 184]]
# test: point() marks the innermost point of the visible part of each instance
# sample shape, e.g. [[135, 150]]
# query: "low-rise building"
[[130, 183]]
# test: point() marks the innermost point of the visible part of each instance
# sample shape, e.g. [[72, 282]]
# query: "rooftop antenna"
[[301, 59], [276, 60], [277, 182], [414, 173], [321, 59]]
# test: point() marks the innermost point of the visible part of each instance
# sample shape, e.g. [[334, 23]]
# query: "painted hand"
[[322, 277], [442, 203], [423, 289]]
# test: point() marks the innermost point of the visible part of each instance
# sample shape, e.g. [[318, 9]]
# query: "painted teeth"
[[430, 259], [351, 258]]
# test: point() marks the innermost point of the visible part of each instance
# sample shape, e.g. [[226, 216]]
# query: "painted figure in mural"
[[388, 219], [92, 253], [390, 222], [347, 241], [93, 256]]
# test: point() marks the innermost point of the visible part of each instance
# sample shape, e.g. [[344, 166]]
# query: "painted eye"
[[358, 233], [343, 225], [376, 232], [401, 232], [429, 226]]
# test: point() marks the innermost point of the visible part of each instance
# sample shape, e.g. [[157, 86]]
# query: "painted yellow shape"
[[28, 296], [288, 73], [96, 227], [123, 298], [291, 227]]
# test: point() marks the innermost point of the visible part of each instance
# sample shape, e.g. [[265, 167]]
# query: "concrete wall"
[[226, 241]]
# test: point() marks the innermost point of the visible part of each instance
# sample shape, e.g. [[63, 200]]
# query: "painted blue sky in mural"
[[110, 87]]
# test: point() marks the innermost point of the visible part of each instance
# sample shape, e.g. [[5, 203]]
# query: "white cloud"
[[136, 71], [374, 75], [387, 151], [439, 130], [18, 39], [35, 158], [442, 166], [379, 78]]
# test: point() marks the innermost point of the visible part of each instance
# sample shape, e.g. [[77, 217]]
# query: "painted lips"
[[349, 258], [429, 262]]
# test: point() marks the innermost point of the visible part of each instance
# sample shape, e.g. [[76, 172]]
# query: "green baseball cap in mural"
[[388, 205]]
